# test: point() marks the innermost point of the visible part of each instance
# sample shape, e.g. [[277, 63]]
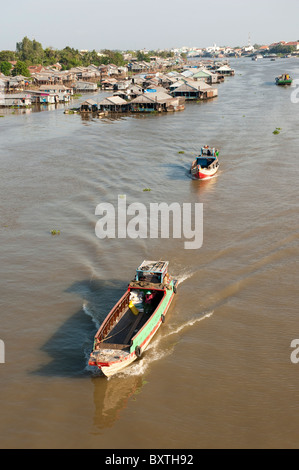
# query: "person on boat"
[[148, 301]]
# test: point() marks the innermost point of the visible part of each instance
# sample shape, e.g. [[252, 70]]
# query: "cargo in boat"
[[283, 79]]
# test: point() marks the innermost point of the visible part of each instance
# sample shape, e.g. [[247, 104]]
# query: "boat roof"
[[153, 266]]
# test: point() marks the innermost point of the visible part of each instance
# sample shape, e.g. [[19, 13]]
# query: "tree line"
[[31, 52]]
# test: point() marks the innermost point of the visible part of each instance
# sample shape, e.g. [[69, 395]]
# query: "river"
[[218, 374]]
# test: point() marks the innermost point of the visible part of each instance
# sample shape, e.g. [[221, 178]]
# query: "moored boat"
[[206, 164], [131, 324], [283, 79]]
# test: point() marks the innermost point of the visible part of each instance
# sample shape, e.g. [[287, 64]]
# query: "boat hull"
[[115, 367], [206, 165], [204, 174], [284, 82], [118, 356]]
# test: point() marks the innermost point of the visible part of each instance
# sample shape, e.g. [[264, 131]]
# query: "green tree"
[[51, 56], [141, 56], [7, 55], [112, 57], [20, 69], [29, 51], [5, 67], [281, 49], [70, 57]]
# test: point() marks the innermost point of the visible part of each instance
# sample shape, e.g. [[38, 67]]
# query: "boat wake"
[[154, 352], [88, 310], [183, 277], [176, 330]]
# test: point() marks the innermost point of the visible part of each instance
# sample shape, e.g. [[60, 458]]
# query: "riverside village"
[[159, 83]]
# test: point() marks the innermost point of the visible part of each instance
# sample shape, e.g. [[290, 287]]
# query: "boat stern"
[[110, 361]]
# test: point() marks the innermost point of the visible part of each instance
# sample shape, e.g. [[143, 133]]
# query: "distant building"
[[294, 44]]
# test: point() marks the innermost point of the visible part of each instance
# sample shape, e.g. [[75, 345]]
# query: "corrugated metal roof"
[[89, 102], [159, 96], [114, 100], [186, 87], [143, 99]]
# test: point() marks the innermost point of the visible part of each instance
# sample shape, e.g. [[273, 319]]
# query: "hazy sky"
[[151, 24]]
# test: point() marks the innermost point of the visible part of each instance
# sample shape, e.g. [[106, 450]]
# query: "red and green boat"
[[131, 324], [206, 164]]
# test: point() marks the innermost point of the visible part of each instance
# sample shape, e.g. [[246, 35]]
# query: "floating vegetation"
[[55, 232], [181, 151], [277, 130], [71, 111], [147, 189]]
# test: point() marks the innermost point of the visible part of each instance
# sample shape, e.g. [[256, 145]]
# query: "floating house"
[[156, 102], [63, 93], [84, 86], [187, 91], [206, 91], [114, 104], [17, 100], [144, 104], [225, 70], [207, 76], [43, 97], [89, 106]]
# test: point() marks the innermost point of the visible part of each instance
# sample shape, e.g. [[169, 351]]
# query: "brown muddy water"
[[219, 373]]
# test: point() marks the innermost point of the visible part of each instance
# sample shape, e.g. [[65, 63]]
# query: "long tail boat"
[[131, 324], [206, 164]]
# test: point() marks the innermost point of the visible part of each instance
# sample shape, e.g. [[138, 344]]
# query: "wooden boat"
[[131, 324], [206, 164], [283, 79]]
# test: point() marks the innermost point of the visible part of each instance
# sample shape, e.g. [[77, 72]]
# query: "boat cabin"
[[207, 157], [152, 271]]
